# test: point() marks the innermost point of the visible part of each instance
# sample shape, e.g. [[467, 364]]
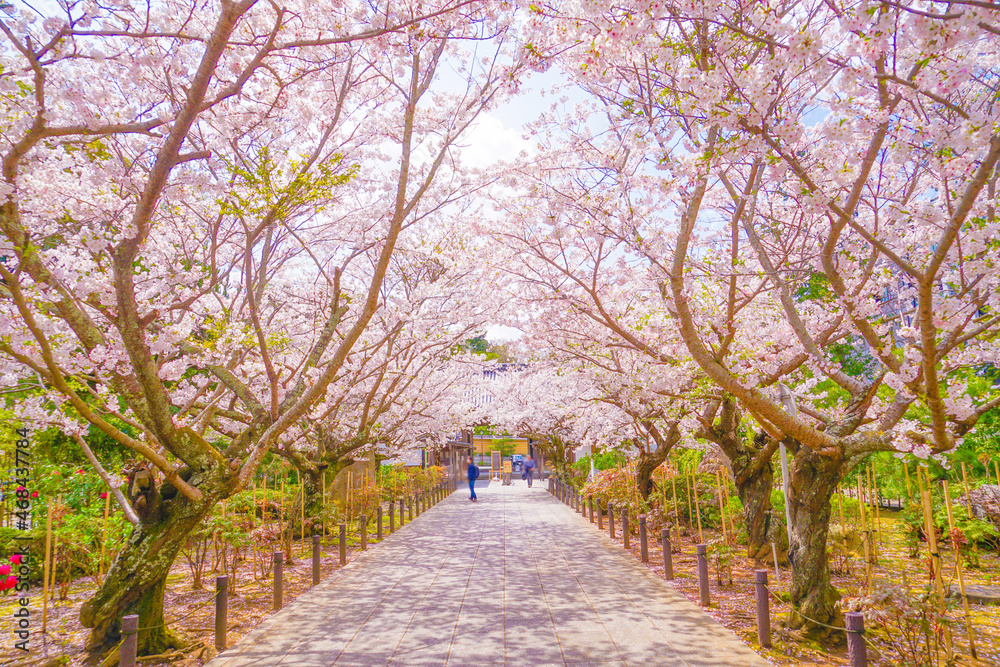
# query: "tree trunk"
[[136, 582], [813, 481], [645, 465], [647, 462], [753, 473], [762, 529]]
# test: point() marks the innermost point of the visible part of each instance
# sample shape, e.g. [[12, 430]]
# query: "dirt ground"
[[735, 605]]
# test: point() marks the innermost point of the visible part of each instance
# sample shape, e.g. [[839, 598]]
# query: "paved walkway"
[[515, 579]]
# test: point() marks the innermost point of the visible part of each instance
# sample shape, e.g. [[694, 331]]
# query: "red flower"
[[80, 471], [104, 494], [4, 569], [17, 559], [34, 494]]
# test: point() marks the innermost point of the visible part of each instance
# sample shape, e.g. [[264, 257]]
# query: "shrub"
[[908, 621], [617, 486]]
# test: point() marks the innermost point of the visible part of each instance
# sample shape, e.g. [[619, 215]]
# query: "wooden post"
[[315, 560], [857, 652], [322, 504], [363, 526], [909, 492], [279, 565], [843, 526], [932, 545], [687, 482], [703, 591], [104, 534], [996, 467], [221, 611], [253, 505], [55, 564], [958, 569], [343, 543], [865, 535], [302, 512], [130, 641], [48, 566], [668, 564], [350, 494], [873, 496], [722, 509], [643, 544], [677, 514], [763, 609], [281, 513], [625, 530], [697, 507]]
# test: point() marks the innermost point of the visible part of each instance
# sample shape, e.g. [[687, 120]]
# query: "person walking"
[[529, 468], [473, 476]]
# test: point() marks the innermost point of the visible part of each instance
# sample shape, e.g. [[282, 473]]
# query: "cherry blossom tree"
[[199, 205], [830, 170]]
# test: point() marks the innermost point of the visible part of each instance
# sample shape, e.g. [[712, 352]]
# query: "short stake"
[[763, 609]]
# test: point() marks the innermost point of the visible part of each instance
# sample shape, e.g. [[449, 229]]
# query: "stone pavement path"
[[517, 578]]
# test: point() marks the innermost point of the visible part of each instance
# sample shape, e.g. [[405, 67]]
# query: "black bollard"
[[668, 559], [763, 609], [392, 516], [378, 524], [363, 525], [279, 565], [625, 527], [402, 509], [315, 559], [221, 611], [130, 640], [857, 652], [703, 592], [343, 543], [600, 515], [409, 510], [611, 521], [643, 537]]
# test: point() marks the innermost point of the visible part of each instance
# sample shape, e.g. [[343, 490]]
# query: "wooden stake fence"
[[48, 566], [697, 507], [722, 509], [958, 570], [104, 535]]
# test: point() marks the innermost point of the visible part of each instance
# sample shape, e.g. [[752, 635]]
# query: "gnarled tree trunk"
[[753, 473], [647, 462], [753, 486], [136, 582], [814, 478]]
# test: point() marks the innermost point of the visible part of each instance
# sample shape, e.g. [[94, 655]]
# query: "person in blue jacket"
[[473, 476]]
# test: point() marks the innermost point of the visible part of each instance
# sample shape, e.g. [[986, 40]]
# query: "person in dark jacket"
[[529, 468], [473, 476]]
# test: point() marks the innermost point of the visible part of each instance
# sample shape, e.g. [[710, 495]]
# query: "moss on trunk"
[[813, 481]]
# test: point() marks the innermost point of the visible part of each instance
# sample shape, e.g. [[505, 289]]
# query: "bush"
[[617, 486], [602, 461], [908, 621]]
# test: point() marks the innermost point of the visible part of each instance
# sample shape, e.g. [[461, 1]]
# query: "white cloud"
[[488, 142]]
